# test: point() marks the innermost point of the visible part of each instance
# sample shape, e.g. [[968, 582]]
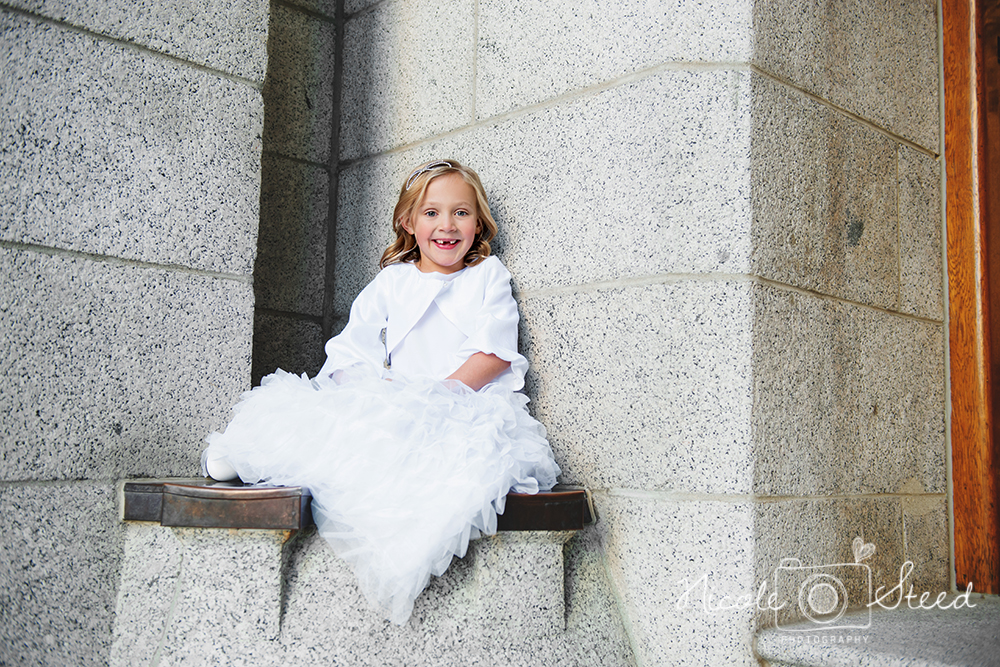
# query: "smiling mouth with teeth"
[[448, 244]]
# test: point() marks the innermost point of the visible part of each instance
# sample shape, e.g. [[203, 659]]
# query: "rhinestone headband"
[[434, 165]]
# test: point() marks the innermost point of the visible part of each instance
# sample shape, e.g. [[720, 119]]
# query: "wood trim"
[[974, 485]]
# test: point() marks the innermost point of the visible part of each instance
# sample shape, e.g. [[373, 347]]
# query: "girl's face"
[[444, 224]]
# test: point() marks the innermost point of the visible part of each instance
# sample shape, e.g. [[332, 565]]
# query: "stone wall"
[[723, 222], [291, 274], [129, 198]]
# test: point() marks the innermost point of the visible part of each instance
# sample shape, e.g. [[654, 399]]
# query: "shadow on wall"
[[298, 165]]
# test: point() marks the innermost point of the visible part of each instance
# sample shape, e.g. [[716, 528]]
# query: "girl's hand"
[[479, 370]]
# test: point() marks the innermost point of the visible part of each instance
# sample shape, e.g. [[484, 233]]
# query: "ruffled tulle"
[[403, 474]]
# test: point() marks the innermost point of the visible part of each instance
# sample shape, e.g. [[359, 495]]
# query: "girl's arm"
[[479, 370]]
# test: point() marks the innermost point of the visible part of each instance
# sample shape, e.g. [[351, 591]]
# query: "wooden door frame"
[[974, 483]]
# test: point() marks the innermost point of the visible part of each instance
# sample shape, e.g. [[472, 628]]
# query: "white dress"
[[403, 473]]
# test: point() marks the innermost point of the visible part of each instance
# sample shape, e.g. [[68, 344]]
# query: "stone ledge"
[[204, 503], [894, 638]]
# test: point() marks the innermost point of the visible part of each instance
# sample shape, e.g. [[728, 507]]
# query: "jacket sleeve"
[[361, 340], [496, 325]]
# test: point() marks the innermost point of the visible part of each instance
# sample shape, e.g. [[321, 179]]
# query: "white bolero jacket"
[[406, 321]]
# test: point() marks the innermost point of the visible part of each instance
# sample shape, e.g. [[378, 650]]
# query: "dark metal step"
[[205, 503]]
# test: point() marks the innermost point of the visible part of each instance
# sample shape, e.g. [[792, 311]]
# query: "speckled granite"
[[121, 370], [191, 596], [663, 406], [824, 197], [60, 559], [230, 37], [876, 59], [407, 74], [562, 47], [113, 151], [290, 271], [848, 399], [298, 91]]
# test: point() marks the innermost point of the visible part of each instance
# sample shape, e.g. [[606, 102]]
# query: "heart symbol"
[[862, 549]]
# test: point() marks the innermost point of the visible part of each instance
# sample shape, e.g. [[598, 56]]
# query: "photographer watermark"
[[822, 594]]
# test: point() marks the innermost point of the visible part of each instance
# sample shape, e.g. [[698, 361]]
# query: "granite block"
[[228, 599], [298, 92], [178, 583], [118, 152], [824, 199], [847, 399], [408, 74], [230, 37], [647, 178], [290, 272], [60, 554], [120, 371], [290, 343], [534, 560], [461, 618], [531, 50], [647, 386], [150, 578], [797, 539], [876, 59], [677, 566], [592, 611], [920, 237]]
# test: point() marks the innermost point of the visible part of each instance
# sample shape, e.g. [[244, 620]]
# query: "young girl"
[[412, 434]]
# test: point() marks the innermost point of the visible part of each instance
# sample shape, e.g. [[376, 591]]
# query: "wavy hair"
[[404, 248]]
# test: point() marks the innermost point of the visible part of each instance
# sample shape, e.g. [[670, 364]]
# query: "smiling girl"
[[404, 473]]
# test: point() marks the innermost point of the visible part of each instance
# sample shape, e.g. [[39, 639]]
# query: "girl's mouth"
[[445, 243]]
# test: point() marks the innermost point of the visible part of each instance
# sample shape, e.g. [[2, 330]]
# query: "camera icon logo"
[[822, 594]]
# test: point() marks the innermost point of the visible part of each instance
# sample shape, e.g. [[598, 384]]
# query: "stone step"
[[260, 593]]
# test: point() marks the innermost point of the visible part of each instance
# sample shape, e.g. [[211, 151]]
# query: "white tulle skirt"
[[402, 474]]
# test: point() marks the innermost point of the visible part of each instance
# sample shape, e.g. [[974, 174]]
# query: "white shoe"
[[219, 469]]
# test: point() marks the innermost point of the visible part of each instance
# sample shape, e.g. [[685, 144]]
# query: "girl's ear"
[[404, 222]]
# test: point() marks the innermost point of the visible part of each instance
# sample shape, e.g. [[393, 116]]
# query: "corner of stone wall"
[[128, 225]]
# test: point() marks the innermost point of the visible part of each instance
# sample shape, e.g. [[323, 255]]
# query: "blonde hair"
[[404, 248]]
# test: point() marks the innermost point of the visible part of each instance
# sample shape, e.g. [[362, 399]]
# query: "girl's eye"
[[462, 213], [430, 214]]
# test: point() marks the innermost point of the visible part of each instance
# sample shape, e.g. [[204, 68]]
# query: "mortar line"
[[669, 278], [296, 160], [155, 660], [568, 96], [304, 10], [841, 110], [301, 317], [365, 10], [685, 496], [899, 230], [623, 614], [29, 483], [121, 261], [133, 46], [631, 77]]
